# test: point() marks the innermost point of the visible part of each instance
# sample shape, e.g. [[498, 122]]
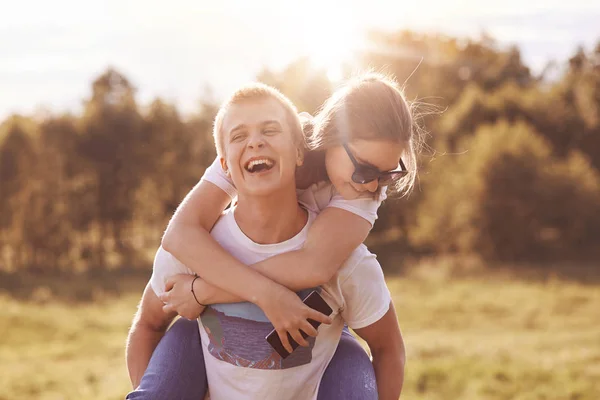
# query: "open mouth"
[[259, 164]]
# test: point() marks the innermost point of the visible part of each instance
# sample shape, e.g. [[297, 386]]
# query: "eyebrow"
[[263, 123], [271, 122], [237, 128]]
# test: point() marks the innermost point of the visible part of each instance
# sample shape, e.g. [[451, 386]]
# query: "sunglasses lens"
[[361, 177], [389, 178]]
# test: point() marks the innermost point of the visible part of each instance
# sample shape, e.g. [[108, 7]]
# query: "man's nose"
[[256, 141]]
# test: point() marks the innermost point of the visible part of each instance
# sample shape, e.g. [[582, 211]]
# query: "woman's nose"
[[367, 187], [372, 186]]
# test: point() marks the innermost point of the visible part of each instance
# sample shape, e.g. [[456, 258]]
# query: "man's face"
[[260, 153]]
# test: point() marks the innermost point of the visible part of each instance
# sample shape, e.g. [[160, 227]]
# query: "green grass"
[[489, 337], [499, 339]]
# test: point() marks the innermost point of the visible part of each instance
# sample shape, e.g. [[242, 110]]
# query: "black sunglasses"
[[366, 173]]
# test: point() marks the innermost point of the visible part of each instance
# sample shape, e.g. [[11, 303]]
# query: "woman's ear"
[[224, 165]]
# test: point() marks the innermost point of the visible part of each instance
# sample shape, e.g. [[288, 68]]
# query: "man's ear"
[[224, 165], [299, 157]]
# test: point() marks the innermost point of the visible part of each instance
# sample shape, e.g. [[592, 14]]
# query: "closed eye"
[[237, 137], [271, 131]]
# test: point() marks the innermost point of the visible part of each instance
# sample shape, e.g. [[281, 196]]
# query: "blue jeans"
[[176, 370]]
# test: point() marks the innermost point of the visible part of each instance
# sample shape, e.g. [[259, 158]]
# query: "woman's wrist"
[[195, 291], [268, 293]]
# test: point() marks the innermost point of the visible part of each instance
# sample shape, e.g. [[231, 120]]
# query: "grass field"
[[485, 337]]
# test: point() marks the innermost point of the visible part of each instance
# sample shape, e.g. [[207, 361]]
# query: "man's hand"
[[178, 297], [289, 314]]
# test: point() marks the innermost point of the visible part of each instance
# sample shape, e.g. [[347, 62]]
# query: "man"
[[260, 152]]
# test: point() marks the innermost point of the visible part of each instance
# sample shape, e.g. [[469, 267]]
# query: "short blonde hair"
[[254, 91]]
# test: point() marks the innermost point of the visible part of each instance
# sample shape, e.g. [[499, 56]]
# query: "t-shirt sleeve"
[[366, 295], [215, 175], [165, 266], [365, 207]]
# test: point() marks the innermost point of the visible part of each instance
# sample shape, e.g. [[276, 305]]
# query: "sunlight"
[[335, 73], [330, 59], [332, 40], [331, 50]]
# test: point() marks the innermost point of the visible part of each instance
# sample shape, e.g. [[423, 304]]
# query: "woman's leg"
[[350, 374], [176, 369]]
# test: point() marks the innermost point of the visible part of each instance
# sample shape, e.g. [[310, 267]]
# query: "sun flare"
[[331, 53], [332, 42]]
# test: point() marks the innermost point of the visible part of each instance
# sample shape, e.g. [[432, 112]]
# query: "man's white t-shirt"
[[240, 363], [316, 198]]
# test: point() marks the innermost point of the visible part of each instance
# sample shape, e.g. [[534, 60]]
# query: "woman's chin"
[[349, 193]]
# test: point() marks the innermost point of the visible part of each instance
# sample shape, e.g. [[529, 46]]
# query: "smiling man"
[[259, 139]]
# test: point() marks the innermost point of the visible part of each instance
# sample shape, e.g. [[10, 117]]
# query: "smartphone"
[[314, 301]]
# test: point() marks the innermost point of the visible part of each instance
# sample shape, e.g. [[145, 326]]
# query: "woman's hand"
[[283, 307], [289, 314], [179, 298]]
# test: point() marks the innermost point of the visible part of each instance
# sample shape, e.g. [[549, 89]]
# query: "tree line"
[[510, 170]]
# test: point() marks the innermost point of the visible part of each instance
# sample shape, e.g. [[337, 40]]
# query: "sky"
[[51, 51]]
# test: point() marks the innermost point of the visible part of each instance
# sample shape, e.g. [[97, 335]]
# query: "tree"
[[511, 199], [112, 133], [18, 152], [305, 86]]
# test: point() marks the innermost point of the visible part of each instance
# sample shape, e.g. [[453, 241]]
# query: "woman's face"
[[381, 154]]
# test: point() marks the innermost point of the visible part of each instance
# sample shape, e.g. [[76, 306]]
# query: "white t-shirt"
[[316, 198], [240, 364]]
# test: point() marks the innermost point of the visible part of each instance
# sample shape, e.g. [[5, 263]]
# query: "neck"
[[270, 219]]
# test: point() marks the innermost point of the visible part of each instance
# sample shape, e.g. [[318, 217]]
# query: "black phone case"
[[314, 301]]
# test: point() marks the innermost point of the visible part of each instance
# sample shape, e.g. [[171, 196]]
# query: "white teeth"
[[254, 163]]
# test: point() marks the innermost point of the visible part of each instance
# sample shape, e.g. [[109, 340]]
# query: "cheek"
[[339, 169], [232, 158]]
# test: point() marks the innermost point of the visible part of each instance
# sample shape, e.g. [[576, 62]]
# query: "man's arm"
[[149, 325], [387, 348]]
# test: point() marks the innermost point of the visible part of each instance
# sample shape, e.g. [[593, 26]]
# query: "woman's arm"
[[188, 239], [200, 208], [332, 237]]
